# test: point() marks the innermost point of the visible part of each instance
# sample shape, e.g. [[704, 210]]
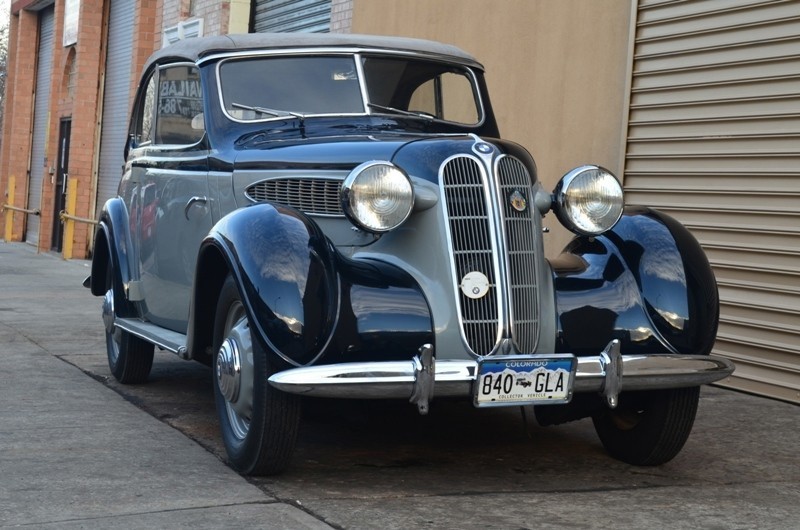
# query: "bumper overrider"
[[419, 379]]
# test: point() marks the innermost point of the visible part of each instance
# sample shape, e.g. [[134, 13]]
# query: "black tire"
[[129, 357], [259, 438], [648, 428]]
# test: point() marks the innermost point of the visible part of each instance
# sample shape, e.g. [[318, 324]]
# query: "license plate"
[[525, 380]]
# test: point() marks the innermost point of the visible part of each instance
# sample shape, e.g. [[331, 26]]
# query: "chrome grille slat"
[[473, 248], [468, 219], [315, 196], [521, 237]]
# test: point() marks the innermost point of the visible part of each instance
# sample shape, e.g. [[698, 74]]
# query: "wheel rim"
[[113, 334], [234, 371]]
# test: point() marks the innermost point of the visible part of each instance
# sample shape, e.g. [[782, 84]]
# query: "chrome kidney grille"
[[498, 241], [315, 196]]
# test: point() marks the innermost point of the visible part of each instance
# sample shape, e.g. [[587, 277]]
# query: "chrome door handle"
[[192, 201]]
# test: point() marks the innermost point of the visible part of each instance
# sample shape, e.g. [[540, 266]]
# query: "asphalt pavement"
[[77, 450]]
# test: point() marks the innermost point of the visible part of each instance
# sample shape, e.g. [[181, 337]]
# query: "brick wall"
[[18, 120], [76, 97]]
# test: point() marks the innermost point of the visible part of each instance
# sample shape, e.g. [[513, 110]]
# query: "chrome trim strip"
[[497, 226], [161, 337], [341, 50], [395, 379]]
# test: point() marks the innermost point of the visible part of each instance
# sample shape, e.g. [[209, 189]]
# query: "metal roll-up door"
[[116, 98], [288, 16], [714, 140], [41, 114]]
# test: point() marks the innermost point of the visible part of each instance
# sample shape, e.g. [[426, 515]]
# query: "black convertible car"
[[337, 216]]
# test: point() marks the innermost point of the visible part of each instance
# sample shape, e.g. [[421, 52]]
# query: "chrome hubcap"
[[229, 370], [234, 371], [108, 311]]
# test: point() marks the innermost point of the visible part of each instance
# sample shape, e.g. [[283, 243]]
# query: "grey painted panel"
[[40, 120], [288, 16], [116, 98]]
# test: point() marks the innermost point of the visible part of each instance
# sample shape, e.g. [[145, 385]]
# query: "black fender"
[[112, 248], [647, 282], [308, 303]]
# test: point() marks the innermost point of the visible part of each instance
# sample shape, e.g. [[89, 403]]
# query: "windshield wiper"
[[266, 110], [423, 115]]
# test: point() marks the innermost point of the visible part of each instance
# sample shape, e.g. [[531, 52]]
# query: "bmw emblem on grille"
[[483, 148], [518, 201]]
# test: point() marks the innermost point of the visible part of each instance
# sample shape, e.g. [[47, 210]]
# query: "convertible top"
[[197, 49]]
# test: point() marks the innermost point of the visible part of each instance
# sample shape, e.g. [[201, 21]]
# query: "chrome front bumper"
[[609, 373]]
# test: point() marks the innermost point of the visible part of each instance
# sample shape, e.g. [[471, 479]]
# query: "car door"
[[172, 211]]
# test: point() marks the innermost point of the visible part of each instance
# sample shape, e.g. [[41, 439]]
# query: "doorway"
[[62, 179]]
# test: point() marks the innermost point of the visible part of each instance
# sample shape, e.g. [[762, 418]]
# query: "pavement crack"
[[151, 512]]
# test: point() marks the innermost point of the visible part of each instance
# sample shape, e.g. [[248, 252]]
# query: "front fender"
[[647, 283], [309, 304], [284, 268]]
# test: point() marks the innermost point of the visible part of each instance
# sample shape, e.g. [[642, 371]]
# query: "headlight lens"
[[377, 196], [588, 200]]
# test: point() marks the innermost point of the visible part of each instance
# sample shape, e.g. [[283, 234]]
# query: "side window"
[[143, 122], [448, 96], [179, 118]]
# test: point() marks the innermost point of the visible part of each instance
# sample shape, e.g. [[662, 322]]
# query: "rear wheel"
[[129, 357], [258, 422], [648, 428]]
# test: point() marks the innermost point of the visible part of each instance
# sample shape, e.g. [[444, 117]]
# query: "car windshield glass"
[[427, 89], [265, 87]]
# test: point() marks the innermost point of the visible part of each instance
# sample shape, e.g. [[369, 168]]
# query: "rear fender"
[[647, 283], [112, 248]]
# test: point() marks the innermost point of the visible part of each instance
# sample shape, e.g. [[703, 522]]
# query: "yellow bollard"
[[69, 224], [10, 213]]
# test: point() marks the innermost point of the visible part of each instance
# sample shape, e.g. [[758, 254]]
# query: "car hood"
[[327, 153]]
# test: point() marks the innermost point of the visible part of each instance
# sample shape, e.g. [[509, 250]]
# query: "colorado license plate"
[[525, 380]]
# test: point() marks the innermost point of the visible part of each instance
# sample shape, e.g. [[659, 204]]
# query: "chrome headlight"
[[377, 196], [588, 200]]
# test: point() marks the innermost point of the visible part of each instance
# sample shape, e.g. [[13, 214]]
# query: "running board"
[[163, 338]]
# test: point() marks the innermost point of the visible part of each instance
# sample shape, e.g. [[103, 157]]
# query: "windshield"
[[264, 88]]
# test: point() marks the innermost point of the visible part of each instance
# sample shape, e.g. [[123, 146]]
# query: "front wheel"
[[258, 422], [648, 428], [129, 357]]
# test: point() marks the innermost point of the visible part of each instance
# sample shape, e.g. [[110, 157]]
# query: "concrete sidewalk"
[[75, 454]]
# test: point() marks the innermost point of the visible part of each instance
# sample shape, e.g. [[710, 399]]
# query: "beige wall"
[[557, 71]]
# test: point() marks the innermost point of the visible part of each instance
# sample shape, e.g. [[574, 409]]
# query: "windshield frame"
[[357, 55]]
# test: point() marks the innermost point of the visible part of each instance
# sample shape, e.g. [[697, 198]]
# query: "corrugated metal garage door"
[[116, 98], [41, 118], [714, 139], [287, 16]]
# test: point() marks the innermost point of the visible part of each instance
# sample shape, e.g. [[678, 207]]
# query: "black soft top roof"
[[195, 49]]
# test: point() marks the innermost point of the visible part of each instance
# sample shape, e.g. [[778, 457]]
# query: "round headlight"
[[588, 200], [377, 196]]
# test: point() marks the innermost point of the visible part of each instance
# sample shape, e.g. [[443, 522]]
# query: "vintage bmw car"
[[337, 216]]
